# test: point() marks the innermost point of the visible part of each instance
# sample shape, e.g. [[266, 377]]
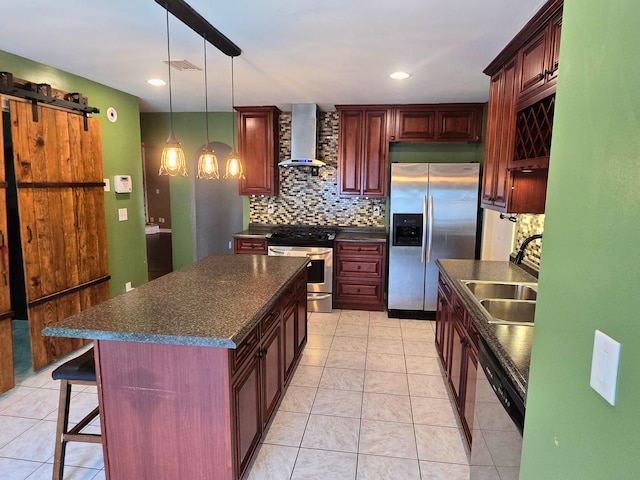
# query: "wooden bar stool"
[[80, 370]]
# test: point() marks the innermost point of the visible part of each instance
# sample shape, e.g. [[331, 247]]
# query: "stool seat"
[[80, 369]]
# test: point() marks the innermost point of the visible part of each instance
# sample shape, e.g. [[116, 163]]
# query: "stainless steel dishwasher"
[[498, 422]]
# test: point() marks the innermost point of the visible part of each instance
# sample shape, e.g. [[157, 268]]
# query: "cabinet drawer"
[[244, 350], [358, 291], [360, 248], [270, 318], [445, 289], [249, 245], [365, 267]]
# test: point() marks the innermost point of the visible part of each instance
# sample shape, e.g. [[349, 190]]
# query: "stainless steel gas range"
[[316, 243]]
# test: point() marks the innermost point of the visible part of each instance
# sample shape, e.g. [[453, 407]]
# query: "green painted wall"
[[589, 277], [190, 131], [121, 155]]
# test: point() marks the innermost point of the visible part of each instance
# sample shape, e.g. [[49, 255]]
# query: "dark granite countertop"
[[254, 231], [361, 235], [510, 343], [214, 302], [353, 234]]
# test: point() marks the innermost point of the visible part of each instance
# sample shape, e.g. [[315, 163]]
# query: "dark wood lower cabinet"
[[246, 412], [456, 342]]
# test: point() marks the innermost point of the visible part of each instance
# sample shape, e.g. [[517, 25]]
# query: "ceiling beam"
[[196, 22]]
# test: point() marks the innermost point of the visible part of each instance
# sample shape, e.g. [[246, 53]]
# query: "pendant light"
[[207, 161], [173, 162], [234, 165]]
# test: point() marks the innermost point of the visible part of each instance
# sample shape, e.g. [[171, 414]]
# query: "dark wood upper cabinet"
[[520, 115], [363, 150], [500, 137], [540, 62], [258, 147], [437, 123]]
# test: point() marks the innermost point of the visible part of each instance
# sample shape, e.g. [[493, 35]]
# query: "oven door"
[[320, 269]]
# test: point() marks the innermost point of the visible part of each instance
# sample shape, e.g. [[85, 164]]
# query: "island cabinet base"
[[164, 410]]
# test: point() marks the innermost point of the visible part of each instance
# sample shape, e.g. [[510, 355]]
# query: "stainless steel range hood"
[[303, 137]]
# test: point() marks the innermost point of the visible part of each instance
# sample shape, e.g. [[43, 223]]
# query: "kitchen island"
[[191, 366]]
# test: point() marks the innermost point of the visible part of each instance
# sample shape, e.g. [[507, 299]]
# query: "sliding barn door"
[[58, 168], [6, 340]]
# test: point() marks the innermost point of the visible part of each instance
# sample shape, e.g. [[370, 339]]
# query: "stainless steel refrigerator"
[[433, 214]]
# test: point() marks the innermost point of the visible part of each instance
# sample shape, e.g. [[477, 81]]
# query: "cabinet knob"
[[359, 248], [359, 267], [357, 290], [541, 75]]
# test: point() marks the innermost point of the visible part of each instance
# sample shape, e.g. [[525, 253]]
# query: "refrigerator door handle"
[[430, 241], [424, 230]]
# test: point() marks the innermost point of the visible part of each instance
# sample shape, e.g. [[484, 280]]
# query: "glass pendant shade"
[[208, 164], [234, 166], [173, 161]]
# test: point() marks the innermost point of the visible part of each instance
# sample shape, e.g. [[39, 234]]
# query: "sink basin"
[[514, 291], [510, 312]]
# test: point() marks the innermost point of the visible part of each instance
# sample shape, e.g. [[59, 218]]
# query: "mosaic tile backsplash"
[[526, 226], [310, 200]]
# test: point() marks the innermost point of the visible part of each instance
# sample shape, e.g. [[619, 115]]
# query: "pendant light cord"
[[233, 103], [169, 63], [206, 91]]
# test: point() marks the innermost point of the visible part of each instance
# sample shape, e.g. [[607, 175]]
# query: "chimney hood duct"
[[303, 137]]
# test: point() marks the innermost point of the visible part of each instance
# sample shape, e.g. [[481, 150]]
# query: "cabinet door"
[[471, 374], [459, 124], [301, 320], [258, 146], [457, 358], [272, 382], [533, 62], [289, 340], [443, 312], [556, 30], [414, 125], [247, 425], [374, 160], [350, 152], [500, 137]]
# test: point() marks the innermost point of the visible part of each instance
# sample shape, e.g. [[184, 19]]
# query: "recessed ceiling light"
[[399, 75], [156, 82]]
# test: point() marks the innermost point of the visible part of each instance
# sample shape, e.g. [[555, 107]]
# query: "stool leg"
[[63, 425]]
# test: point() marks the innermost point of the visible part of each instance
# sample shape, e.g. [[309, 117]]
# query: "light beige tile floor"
[[366, 402]]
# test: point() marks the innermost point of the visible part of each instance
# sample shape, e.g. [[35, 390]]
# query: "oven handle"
[[318, 296], [308, 254]]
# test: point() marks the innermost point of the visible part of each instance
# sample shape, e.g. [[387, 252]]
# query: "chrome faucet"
[[526, 242]]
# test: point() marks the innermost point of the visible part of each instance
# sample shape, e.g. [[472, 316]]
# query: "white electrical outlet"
[[122, 214], [107, 185], [128, 287], [376, 211], [270, 209]]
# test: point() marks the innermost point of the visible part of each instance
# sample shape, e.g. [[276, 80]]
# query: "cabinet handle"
[[359, 249], [359, 267], [357, 290], [29, 234], [541, 76]]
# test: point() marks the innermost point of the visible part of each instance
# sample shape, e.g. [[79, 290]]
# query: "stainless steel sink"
[[510, 312], [501, 290]]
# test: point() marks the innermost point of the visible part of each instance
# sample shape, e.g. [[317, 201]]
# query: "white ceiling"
[[293, 51]]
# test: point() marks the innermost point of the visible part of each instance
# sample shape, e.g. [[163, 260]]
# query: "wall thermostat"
[[122, 183]]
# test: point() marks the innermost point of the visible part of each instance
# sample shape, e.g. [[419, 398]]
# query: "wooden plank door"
[[58, 168], [7, 380]]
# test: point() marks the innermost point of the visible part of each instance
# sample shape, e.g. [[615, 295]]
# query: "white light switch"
[[604, 366], [107, 185], [122, 214]]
